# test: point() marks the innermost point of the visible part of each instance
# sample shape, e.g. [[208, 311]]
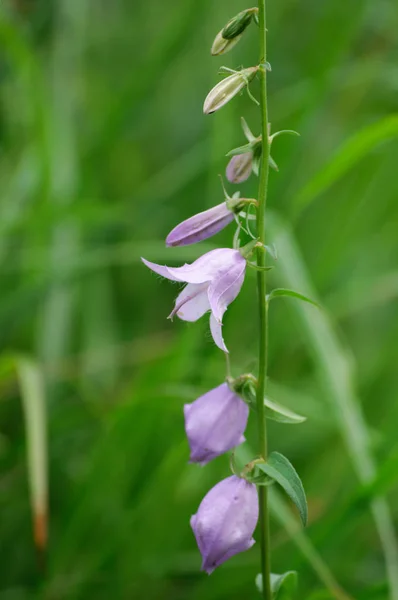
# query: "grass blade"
[[335, 368], [33, 401]]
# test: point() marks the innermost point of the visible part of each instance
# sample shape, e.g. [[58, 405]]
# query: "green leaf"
[[279, 468], [281, 414], [273, 410], [283, 586], [280, 292]]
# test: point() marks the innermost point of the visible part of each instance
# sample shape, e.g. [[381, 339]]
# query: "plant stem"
[[263, 307]]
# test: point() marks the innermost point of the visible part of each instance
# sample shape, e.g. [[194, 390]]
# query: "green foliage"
[[283, 586], [281, 293], [104, 149], [279, 468]]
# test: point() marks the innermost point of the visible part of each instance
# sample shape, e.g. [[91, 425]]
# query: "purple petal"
[[160, 270], [215, 423], [225, 521], [205, 267], [200, 226], [215, 329], [224, 288], [208, 566], [192, 303], [239, 167]]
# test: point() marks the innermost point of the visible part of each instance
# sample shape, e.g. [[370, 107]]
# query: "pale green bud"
[[227, 89], [222, 45]]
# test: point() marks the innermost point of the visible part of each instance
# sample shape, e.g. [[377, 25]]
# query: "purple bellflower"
[[201, 226], [215, 423], [225, 521], [214, 281]]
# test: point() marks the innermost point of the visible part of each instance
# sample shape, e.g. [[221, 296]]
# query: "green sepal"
[[279, 468], [272, 251], [241, 149], [257, 268], [282, 292], [273, 164], [283, 586]]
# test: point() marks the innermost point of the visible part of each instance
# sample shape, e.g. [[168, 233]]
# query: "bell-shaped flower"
[[225, 521], [215, 423], [214, 281]]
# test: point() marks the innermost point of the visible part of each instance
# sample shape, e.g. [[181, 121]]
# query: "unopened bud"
[[239, 167], [222, 45], [227, 89], [237, 25]]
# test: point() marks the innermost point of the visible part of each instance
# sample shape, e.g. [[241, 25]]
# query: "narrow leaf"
[[280, 292], [281, 414], [33, 401], [279, 468]]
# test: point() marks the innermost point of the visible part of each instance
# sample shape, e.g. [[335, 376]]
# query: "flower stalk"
[[263, 305]]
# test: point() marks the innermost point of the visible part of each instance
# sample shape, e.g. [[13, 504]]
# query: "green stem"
[[263, 308]]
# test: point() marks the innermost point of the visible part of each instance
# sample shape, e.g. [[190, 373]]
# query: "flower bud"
[[222, 45], [237, 25], [225, 521], [215, 423], [227, 89], [201, 226], [239, 167]]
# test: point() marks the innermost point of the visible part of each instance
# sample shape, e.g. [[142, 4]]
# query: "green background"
[[103, 149]]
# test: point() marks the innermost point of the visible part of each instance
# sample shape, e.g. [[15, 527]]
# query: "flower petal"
[[205, 267], [224, 288], [192, 303], [225, 521], [215, 423], [160, 270], [215, 328]]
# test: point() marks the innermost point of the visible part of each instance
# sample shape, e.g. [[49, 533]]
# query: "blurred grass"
[[103, 148]]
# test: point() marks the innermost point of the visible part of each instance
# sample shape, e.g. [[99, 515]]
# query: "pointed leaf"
[[281, 414], [273, 410], [283, 586], [282, 471], [280, 292]]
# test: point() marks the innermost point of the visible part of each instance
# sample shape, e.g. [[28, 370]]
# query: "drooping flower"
[[225, 521], [214, 281], [215, 423]]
